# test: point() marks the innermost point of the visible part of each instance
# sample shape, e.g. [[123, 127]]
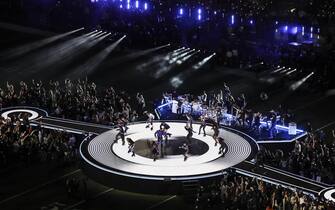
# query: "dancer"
[[160, 135], [189, 120], [190, 133], [155, 151], [203, 124], [121, 134], [216, 130], [150, 120], [165, 127], [131, 146], [186, 150], [223, 147], [122, 121]]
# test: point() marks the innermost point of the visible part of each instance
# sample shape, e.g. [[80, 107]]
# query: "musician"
[[186, 150], [121, 134], [131, 146], [202, 124], [257, 122], [150, 120]]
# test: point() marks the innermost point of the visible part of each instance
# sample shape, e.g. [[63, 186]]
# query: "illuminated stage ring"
[[329, 194], [34, 112], [101, 154]]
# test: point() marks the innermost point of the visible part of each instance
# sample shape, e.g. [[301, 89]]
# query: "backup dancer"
[[131, 147], [203, 124], [189, 133], [216, 130], [150, 120], [121, 134], [223, 146], [155, 151], [186, 150], [189, 120], [164, 126]]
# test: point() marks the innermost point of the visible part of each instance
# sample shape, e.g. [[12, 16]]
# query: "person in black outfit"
[[190, 133], [186, 150], [155, 151], [131, 147], [223, 146], [202, 125], [216, 130], [121, 134]]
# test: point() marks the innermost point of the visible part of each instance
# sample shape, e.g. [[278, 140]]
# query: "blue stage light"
[[232, 19], [145, 6], [251, 22], [295, 30], [181, 11], [136, 4], [128, 6], [199, 14], [285, 28]]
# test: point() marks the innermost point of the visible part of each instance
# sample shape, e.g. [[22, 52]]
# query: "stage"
[[112, 165], [114, 157]]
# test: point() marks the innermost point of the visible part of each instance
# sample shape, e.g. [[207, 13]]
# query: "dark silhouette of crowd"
[[312, 157], [240, 192], [21, 142], [79, 100]]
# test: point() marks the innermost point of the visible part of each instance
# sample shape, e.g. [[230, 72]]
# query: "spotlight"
[[203, 62], [181, 11], [297, 84], [145, 6]]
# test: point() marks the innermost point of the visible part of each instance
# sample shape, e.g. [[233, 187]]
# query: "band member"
[[131, 146], [223, 146], [155, 151], [150, 120], [186, 150], [121, 134], [216, 130], [202, 125]]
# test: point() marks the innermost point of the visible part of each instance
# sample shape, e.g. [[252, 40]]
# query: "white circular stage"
[[33, 113], [101, 153]]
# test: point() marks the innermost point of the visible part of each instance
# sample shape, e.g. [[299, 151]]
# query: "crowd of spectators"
[[312, 157], [240, 192], [78, 100], [20, 142]]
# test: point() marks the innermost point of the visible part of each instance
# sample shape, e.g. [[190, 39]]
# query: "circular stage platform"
[[111, 164]]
